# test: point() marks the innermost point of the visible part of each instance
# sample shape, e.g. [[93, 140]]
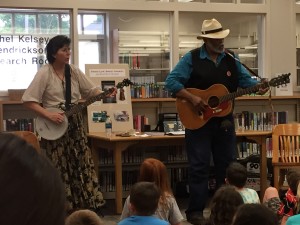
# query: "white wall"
[[139, 21], [282, 37]]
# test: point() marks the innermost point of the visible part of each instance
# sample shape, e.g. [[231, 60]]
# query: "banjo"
[[49, 130]]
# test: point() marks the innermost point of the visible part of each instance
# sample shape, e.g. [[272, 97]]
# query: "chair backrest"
[[286, 143], [29, 137]]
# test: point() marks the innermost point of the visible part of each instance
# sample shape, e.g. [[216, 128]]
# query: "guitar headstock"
[[126, 82], [280, 80]]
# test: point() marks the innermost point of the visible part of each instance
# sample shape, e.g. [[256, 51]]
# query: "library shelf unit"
[[173, 156], [14, 110], [153, 106], [146, 52]]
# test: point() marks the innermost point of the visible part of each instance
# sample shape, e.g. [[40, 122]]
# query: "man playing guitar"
[[201, 68]]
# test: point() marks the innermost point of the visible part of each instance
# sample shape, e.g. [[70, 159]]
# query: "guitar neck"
[[80, 107], [242, 92]]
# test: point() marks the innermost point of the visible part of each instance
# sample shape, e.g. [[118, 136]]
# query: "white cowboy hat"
[[212, 29]]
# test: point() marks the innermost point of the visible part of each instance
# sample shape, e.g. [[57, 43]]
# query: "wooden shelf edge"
[[267, 97], [153, 100], [152, 69], [8, 102], [296, 96]]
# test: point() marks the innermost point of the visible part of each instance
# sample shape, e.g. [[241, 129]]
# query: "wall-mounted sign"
[[20, 58]]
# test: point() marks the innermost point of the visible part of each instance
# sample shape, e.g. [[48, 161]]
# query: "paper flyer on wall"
[[119, 107]]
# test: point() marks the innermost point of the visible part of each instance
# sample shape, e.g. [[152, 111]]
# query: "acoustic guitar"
[[219, 101], [49, 130]]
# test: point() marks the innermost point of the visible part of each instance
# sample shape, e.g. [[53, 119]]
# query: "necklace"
[[61, 76]]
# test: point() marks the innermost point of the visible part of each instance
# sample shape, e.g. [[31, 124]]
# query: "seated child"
[[254, 214], [287, 205], [153, 170], [236, 175], [293, 220], [31, 189], [144, 197], [272, 201], [83, 217], [223, 205]]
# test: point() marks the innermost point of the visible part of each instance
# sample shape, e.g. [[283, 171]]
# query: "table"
[[119, 144]]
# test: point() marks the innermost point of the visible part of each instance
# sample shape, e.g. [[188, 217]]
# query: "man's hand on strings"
[[199, 104], [262, 91]]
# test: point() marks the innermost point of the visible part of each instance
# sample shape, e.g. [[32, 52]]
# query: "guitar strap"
[[230, 53], [68, 86]]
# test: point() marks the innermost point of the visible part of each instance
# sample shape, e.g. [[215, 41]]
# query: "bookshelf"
[[146, 52], [174, 157], [151, 107], [15, 110]]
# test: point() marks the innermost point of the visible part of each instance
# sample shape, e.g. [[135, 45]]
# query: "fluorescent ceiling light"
[[298, 2], [247, 55], [251, 46]]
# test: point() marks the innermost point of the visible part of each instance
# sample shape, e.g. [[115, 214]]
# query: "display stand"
[[119, 107], [286, 89]]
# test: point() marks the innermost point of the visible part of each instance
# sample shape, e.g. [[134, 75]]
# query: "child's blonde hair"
[[83, 217]]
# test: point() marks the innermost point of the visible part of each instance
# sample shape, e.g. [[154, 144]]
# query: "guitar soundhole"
[[213, 102]]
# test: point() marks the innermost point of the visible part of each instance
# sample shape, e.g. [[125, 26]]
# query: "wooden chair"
[[29, 137], [286, 150]]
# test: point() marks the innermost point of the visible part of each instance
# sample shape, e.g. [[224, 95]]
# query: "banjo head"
[[50, 130]]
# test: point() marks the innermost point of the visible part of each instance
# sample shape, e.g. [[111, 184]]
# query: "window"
[[92, 38], [24, 34]]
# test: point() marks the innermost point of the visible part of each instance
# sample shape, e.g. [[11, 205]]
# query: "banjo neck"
[[79, 107]]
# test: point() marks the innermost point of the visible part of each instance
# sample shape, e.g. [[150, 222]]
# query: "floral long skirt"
[[71, 155]]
